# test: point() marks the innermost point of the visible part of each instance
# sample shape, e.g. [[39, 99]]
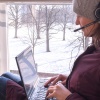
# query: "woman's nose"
[[77, 22]]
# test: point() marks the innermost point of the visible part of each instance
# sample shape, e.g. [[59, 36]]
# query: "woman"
[[84, 81]]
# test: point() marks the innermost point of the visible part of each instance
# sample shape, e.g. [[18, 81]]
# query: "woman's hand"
[[58, 91], [54, 80]]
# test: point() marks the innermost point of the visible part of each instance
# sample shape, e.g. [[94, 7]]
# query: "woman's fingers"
[[58, 91], [51, 95], [49, 82], [50, 91], [55, 80], [64, 82]]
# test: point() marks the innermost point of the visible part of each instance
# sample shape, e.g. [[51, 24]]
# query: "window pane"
[[48, 28]]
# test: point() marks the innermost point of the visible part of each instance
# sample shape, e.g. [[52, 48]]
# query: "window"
[[47, 27]]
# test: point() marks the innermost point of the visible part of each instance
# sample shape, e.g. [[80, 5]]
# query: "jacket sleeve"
[[75, 96], [14, 91]]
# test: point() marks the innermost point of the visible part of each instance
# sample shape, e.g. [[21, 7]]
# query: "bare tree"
[[66, 16], [37, 19], [38, 23], [14, 16], [51, 15], [29, 22]]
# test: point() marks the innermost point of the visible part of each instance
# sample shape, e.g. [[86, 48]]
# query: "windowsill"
[[41, 74]]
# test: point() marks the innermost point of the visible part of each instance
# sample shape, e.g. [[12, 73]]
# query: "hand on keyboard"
[[55, 80], [58, 91]]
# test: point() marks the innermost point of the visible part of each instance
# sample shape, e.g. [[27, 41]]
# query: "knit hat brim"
[[85, 8]]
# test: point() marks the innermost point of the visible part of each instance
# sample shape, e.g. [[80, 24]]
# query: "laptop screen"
[[27, 69]]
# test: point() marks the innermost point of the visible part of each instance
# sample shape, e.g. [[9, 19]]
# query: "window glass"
[[48, 28]]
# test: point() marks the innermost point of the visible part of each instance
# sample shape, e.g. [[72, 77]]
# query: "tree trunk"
[[16, 21], [64, 29], [38, 25], [16, 28], [38, 32], [47, 41], [47, 32]]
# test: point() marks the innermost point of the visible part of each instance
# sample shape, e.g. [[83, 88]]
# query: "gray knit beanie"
[[85, 8]]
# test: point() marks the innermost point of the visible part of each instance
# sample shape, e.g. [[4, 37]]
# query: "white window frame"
[[3, 40]]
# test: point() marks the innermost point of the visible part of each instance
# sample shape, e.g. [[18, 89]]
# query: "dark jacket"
[[11, 87], [14, 91], [84, 80], [3, 82]]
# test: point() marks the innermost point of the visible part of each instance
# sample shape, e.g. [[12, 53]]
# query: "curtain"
[[3, 40]]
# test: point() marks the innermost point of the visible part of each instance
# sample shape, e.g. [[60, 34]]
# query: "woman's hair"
[[96, 37]]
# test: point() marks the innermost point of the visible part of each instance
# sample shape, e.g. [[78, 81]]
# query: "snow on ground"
[[56, 61]]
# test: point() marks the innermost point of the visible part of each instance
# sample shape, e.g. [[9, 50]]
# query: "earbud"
[[97, 13]]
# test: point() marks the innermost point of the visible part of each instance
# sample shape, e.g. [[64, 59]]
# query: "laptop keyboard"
[[41, 92]]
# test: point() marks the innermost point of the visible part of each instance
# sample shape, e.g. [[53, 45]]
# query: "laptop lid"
[[27, 70]]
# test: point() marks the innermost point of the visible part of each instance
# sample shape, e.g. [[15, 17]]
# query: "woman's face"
[[82, 21]]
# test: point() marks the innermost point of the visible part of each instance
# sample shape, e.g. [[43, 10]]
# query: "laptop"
[[33, 85]]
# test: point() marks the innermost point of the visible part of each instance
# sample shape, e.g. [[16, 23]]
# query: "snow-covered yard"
[[58, 60]]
